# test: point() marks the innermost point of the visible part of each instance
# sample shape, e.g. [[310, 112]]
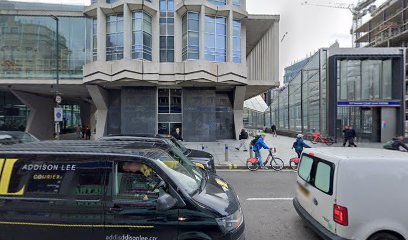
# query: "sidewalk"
[[236, 158]]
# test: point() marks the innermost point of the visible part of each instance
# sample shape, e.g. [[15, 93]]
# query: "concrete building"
[[136, 66], [358, 87], [387, 27]]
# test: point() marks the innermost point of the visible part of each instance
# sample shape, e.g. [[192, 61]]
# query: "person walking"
[[299, 145], [78, 131], [177, 134], [353, 137], [87, 133], [243, 136], [349, 135], [273, 129], [260, 143]]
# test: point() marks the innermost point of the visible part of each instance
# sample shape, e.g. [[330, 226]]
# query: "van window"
[[323, 177], [305, 168], [137, 182]]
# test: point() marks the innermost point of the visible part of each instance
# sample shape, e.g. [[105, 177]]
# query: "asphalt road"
[[274, 218]]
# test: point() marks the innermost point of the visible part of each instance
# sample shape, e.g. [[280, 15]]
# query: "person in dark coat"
[[87, 133], [273, 130], [243, 136], [177, 135], [349, 136], [299, 145]]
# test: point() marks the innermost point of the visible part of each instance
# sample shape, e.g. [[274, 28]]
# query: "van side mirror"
[[166, 202]]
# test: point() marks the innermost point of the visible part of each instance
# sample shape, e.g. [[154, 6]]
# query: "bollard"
[[251, 153], [226, 152], [274, 150], [202, 147]]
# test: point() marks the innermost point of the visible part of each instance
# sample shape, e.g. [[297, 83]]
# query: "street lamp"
[[57, 124]]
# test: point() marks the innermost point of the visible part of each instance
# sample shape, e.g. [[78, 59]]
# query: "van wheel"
[[384, 236]]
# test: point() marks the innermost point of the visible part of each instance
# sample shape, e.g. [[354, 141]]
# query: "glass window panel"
[[387, 80], [305, 168], [323, 177]]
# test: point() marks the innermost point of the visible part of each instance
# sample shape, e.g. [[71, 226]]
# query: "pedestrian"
[[78, 131], [83, 130], [243, 136], [299, 145], [273, 129], [396, 143], [353, 137], [177, 134], [87, 133]]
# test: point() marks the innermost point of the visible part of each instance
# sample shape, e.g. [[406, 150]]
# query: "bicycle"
[[275, 162], [294, 163], [317, 138]]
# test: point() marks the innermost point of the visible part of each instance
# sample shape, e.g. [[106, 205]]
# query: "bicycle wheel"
[[277, 164], [252, 166], [329, 141], [293, 165]]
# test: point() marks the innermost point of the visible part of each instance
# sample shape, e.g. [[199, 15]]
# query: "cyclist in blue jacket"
[[299, 144], [257, 149]]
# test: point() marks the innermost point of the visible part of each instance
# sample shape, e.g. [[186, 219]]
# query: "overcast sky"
[[309, 27]]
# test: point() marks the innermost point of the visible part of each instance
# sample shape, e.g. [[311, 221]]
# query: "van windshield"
[[183, 171]]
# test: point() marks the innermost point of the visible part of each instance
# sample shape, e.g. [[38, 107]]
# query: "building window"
[[94, 40], [215, 39], [166, 30], [142, 36], [236, 2], [218, 2], [111, 1], [236, 41], [191, 35], [114, 37], [170, 100]]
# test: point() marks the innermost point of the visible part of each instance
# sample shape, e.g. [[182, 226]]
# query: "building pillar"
[[202, 33], [127, 32], [229, 36], [100, 98], [156, 37], [101, 35], [40, 122], [239, 98], [178, 40]]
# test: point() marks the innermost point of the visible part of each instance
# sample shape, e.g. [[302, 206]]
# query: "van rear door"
[[303, 181], [322, 193], [51, 197]]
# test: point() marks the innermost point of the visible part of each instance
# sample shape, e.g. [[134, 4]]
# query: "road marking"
[[269, 199]]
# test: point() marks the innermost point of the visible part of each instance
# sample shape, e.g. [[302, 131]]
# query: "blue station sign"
[[369, 104]]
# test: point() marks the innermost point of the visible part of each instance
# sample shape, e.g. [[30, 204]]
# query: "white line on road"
[[269, 199]]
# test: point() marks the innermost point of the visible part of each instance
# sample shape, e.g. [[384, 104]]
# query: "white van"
[[354, 193]]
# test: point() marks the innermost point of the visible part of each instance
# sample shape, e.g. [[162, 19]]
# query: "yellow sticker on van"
[[6, 169]]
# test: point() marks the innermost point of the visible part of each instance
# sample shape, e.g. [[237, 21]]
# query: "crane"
[[358, 11]]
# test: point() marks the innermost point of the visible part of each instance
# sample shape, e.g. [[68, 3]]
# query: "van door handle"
[[315, 202], [115, 209]]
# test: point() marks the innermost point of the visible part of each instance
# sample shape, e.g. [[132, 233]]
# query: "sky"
[[308, 27]]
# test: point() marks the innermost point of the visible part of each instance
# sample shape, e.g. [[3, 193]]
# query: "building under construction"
[[387, 27]]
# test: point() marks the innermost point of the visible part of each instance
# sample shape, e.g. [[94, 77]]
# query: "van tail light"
[[340, 215]]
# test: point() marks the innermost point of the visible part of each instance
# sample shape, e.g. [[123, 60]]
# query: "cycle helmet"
[[299, 136]]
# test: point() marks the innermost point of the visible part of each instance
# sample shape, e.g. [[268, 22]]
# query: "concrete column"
[[229, 36], [239, 98], [100, 98], [275, 61], [101, 35], [202, 33], [127, 32], [40, 122], [156, 37], [178, 40]]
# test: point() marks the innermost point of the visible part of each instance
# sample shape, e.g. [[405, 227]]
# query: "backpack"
[[253, 142], [388, 145]]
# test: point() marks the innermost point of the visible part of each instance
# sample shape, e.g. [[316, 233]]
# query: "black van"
[[197, 156], [86, 190]]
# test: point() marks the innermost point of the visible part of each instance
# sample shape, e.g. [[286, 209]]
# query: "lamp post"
[[57, 124]]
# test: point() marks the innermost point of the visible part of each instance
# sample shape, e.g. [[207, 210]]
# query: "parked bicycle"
[[317, 138], [275, 162]]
